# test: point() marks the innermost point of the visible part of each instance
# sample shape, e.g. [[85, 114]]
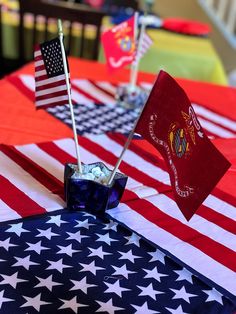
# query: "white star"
[[213, 295], [157, 256], [58, 265], [36, 247], [154, 274], [17, 229], [182, 294], [71, 304], [35, 302], [184, 274], [84, 224], [108, 307], [143, 309], [12, 280], [46, 233], [2, 299], [81, 285], [105, 238], [98, 252], [56, 220], [67, 250], [128, 255], [91, 267], [122, 271], [47, 283], [112, 225], [24, 262], [115, 288], [76, 236], [6, 244], [178, 310], [133, 239], [149, 291]]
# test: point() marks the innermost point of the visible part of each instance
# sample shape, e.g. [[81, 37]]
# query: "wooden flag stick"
[[137, 59], [129, 139], [132, 85], [69, 95]]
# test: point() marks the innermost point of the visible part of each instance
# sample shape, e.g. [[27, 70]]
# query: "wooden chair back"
[[66, 11]]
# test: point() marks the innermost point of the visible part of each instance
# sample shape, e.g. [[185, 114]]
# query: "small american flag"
[[146, 44], [50, 79]]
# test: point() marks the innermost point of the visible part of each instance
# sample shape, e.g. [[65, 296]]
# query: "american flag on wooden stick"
[[50, 81]]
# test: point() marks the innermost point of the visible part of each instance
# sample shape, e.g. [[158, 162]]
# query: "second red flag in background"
[[119, 44]]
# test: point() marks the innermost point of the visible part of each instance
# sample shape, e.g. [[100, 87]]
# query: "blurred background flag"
[[119, 44]]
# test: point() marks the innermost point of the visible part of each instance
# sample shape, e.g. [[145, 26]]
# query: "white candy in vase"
[[95, 174]]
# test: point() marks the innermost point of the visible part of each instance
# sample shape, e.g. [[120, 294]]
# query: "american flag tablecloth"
[[76, 263], [206, 245]]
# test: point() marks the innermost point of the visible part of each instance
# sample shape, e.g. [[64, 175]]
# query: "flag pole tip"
[[59, 23]]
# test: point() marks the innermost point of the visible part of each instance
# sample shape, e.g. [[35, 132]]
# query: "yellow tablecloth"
[[184, 56]]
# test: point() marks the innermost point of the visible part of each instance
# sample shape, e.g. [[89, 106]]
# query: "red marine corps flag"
[[119, 44], [169, 123]]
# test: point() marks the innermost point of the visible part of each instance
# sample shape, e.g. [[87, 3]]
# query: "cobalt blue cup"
[[91, 196]]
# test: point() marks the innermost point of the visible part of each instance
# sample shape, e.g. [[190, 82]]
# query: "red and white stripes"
[[145, 45], [48, 91]]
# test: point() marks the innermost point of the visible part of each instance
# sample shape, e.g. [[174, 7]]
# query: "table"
[[180, 55], [210, 95], [80, 250]]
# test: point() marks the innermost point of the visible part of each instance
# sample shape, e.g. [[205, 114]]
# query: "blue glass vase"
[[91, 196]]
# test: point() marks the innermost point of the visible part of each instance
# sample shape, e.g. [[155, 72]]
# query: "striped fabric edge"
[[210, 248], [32, 189], [88, 92]]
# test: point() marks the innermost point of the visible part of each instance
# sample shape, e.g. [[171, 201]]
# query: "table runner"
[[206, 244], [95, 119]]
